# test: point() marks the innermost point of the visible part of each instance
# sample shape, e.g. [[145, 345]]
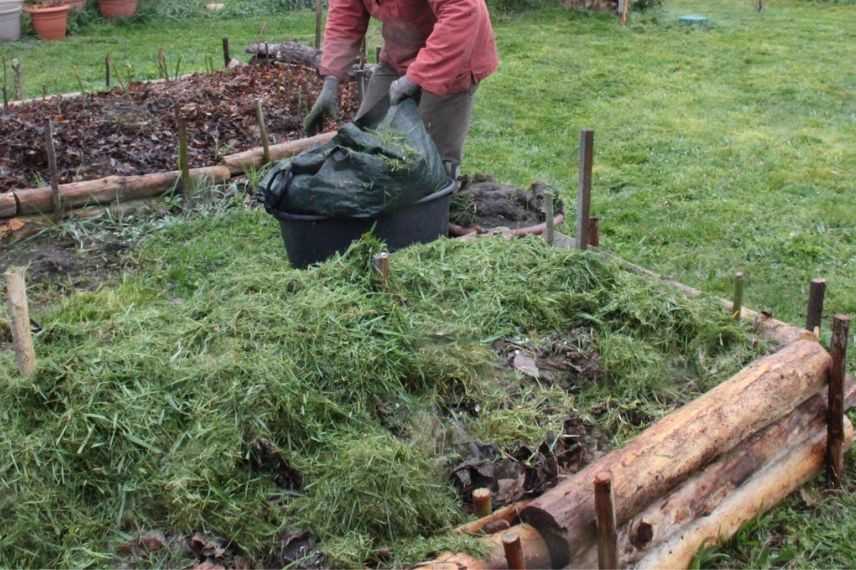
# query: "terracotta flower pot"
[[50, 22], [117, 8]]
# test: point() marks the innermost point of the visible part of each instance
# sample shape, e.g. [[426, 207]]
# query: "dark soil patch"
[[134, 131], [568, 360], [515, 474], [486, 204]]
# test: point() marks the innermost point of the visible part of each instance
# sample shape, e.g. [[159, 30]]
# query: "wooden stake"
[[185, 181], [56, 196], [737, 305], [482, 502], [584, 190], [513, 551], [549, 215], [607, 535], [260, 117], [319, 22], [108, 66], [227, 55], [19, 316], [835, 407], [625, 11], [380, 263], [19, 78], [377, 55], [5, 86], [594, 232], [814, 313]]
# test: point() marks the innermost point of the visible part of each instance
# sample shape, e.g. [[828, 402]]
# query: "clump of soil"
[[483, 203], [133, 131]]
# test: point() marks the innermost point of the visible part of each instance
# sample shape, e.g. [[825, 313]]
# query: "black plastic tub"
[[310, 239]]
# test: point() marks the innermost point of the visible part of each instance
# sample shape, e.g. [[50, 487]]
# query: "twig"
[[178, 68], [56, 196], [835, 407], [108, 64], [260, 117], [19, 315], [163, 72], [584, 190], [5, 86], [80, 86], [814, 312]]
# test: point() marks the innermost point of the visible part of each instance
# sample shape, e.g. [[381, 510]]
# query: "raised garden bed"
[[132, 131], [280, 415]]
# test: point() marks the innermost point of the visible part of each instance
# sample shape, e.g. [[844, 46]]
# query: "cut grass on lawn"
[[152, 396]]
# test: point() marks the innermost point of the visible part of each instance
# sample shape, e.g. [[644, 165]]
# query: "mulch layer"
[[133, 131], [485, 204]]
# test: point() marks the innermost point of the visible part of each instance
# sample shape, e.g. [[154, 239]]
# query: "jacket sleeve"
[[448, 51], [347, 22]]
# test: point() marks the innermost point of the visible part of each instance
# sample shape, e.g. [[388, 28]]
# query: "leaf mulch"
[[133, 131]]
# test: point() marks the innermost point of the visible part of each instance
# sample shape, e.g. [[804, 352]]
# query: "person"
[[436, 51]]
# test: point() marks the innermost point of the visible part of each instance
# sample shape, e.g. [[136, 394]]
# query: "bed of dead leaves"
[[133, 131]]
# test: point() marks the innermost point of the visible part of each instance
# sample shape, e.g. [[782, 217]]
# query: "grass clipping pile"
[[254, 415]]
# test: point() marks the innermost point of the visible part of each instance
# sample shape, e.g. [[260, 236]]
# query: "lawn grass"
[[723, 149]]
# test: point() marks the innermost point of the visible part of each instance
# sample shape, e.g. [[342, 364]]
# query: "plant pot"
[[117, 8], [50, 22], [310, 239], [10, 20]]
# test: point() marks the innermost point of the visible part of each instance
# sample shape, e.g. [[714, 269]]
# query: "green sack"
[[370, 167]]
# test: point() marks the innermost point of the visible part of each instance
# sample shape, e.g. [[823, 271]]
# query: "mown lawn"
[[720, 149]]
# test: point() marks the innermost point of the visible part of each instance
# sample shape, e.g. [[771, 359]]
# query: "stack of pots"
[[10, 20]]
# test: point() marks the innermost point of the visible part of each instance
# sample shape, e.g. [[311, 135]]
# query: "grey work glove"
[[401, 89], [326, 106]]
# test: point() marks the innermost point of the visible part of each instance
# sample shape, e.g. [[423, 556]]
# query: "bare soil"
[[133, 131], [486, 204]]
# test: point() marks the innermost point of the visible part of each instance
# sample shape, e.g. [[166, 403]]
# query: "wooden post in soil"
[[513, 551], [19, 315], [227, 55], [584, 190], [263, 132], [5, 86], [19, 78], [380, 265], [607, 534], [549, 218], [184, 180], [482, 502], [594, 232], [814, 312], [56, 196], [319, 22], [624, 11], [835, 407], [737, 304], [108, 65]]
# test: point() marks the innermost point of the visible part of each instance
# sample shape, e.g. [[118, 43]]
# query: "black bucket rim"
[[289, 217]]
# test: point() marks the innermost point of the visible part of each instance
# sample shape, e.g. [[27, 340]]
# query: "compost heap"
[[369, 168]]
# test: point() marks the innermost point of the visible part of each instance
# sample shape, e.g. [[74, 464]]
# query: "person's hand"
[[326, 106], [401, 89]]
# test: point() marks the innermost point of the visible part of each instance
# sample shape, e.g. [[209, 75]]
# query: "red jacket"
[[444, 46]]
